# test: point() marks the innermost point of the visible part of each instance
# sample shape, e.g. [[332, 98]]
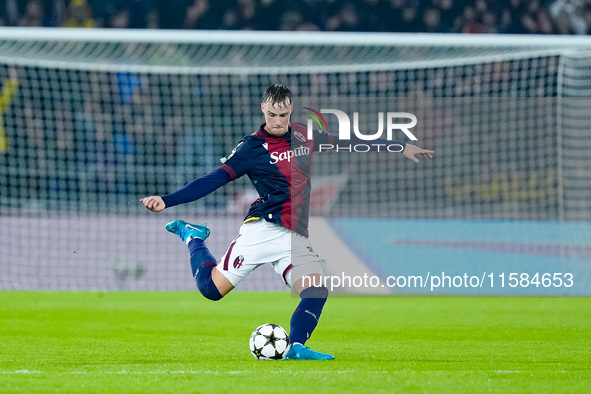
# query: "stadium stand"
[[434, 16]]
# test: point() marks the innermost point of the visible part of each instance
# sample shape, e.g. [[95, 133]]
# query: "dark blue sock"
[[305, 318], [202, 262], [199, 254]]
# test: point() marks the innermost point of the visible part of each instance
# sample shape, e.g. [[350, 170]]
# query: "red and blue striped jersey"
[[279, 169]]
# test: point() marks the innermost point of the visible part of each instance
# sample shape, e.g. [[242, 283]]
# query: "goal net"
[[94, 120]]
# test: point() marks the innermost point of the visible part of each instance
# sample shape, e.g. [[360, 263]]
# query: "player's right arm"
[[192, 191], [238, 164]]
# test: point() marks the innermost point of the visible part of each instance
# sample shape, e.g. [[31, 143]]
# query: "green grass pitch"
[[179, 342]]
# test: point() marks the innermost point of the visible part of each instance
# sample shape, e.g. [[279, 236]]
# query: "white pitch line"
[[189, 372], [20, 371], [530, 372], [289, 372]]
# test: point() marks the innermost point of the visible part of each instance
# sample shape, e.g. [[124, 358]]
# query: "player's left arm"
[[408, 150]]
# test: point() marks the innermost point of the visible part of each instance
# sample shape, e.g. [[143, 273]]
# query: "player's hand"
[[153, 203], [411, 150]]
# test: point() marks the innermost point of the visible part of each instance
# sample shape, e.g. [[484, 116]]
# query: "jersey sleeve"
[[240, 160], [321, 138], [373, 144], [332, 140], [198, 188]]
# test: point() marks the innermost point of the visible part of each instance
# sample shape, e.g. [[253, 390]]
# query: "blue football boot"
[[300, 352], [186, 230]]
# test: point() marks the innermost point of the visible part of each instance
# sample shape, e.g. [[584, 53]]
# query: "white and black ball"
[[269, 342]]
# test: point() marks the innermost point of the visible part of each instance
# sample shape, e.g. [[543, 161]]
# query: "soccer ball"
[[269, 342]]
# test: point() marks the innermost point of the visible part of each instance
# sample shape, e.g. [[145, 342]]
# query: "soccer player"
[[277, 159]]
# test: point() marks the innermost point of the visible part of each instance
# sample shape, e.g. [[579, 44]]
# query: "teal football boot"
[[185, 230], [300, 352]]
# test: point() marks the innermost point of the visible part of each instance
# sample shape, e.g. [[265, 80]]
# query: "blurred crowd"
[[441, 16]]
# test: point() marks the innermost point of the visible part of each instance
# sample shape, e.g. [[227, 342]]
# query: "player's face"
[[276, 117]]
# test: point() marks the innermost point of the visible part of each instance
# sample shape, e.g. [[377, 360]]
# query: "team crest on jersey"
[[298, 136], [238, 262]]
